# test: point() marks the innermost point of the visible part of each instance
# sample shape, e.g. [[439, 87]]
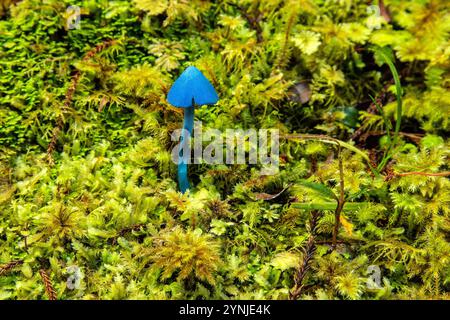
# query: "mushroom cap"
[[192, 87]]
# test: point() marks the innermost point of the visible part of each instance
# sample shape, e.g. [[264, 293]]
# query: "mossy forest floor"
[[89, 202]]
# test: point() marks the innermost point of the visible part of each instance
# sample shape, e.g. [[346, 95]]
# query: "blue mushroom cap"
[[192, 86]]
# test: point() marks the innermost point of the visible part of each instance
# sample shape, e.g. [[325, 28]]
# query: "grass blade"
[[386, 54]]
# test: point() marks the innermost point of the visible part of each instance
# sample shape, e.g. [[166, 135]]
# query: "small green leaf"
[[27, 271], [219, 227]]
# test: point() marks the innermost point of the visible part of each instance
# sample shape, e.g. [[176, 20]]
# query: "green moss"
[[103, 196]]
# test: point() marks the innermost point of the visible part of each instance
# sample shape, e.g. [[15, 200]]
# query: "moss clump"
[[87, 183]]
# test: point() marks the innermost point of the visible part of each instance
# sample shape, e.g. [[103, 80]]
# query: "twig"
[[51, 293], [383, 11], [437, 174], [309, 250]]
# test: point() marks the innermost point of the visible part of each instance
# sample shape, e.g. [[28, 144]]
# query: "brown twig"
[[341, 201], [308, 255], [51, 293], [384, 11], [69, 97], [430, 174], [9, 266]]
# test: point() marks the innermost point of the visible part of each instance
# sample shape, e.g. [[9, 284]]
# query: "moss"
[[87, 180]]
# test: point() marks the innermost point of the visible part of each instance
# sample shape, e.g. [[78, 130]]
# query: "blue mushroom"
[[189, 90]]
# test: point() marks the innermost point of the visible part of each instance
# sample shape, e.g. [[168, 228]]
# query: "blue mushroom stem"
[[188, 126]]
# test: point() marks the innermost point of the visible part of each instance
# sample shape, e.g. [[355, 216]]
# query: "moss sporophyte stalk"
[[322, 172]]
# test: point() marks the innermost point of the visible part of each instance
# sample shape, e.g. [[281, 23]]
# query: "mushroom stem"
[[188, 125]]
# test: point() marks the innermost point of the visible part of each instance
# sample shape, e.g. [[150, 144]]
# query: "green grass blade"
[[385, 55]]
